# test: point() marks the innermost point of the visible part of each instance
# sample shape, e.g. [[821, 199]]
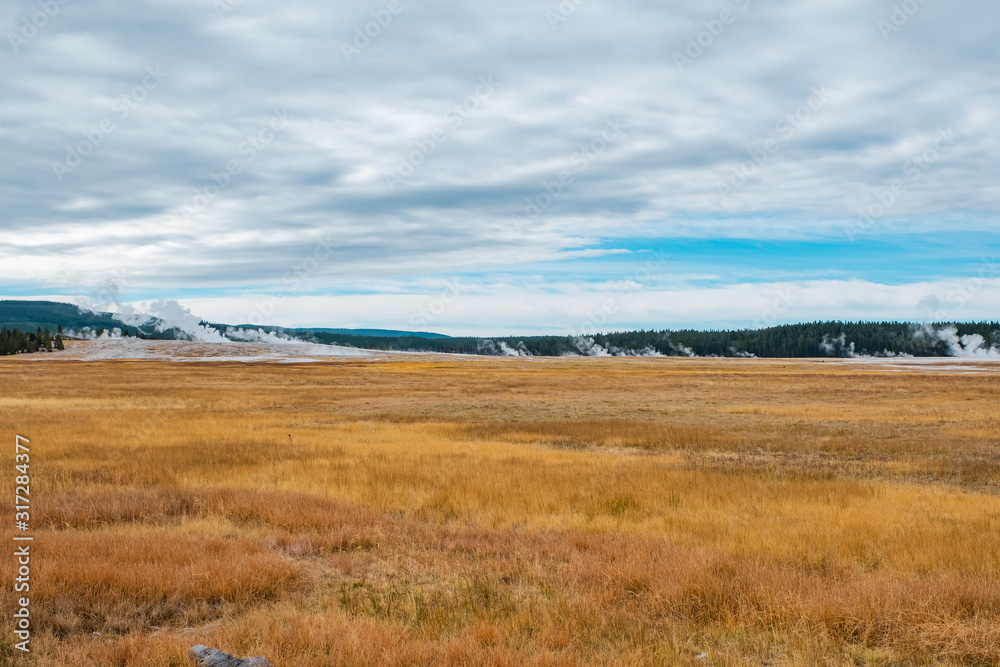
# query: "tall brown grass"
[[555, 512]]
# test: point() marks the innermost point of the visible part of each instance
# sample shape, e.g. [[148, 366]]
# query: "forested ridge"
[[816, 339]]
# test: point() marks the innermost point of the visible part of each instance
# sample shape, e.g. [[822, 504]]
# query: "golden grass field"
[[443, 511]]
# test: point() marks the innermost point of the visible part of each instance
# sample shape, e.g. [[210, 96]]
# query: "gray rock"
[[212, 657]]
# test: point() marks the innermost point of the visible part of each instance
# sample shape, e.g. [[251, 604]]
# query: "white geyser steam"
[[172, 315], [969, 346], [502, 349], [926, 336], [837, 347], [588, 347], [168, 314]]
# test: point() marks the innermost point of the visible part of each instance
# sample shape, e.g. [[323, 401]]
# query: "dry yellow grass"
[[508, 512]]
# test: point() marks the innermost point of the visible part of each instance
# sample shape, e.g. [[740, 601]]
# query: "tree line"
[[815, 339], [15, 341]]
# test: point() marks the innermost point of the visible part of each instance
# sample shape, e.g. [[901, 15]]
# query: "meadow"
[[446, 511]]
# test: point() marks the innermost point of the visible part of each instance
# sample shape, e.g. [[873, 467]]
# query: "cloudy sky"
[[507, 167]]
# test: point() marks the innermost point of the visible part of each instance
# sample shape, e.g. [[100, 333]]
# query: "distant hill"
[[304, 332], [31, 315], [378, 333]]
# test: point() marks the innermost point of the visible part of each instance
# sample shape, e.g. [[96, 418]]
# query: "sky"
[[504, 168]]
